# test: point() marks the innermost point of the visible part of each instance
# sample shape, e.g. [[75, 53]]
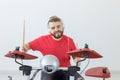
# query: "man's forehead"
[[53, 24]]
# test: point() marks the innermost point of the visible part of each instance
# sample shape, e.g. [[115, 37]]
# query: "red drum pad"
[[101, 72], [20, 55]]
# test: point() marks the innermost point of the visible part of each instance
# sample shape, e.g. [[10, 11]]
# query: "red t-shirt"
[[47, 45]]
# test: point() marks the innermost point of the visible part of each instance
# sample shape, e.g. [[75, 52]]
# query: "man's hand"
[[25, 48], [76, 59]]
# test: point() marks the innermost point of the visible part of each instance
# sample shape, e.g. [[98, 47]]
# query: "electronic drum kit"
[[101, 72]]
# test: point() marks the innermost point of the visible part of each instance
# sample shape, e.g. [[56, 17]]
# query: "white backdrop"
[[95, 22]]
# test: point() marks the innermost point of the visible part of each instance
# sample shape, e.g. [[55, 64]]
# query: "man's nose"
[[56, 29]]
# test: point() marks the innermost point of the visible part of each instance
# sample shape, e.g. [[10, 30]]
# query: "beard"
[[57, 34]]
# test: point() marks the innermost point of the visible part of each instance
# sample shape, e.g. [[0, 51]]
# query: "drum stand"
[[16, 54], [72, 70], [26, 70], [101, 72]]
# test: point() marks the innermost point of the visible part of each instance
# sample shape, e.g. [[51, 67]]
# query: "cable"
[[85, 66]]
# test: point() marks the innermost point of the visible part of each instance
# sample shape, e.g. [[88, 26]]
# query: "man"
[[55, 43]]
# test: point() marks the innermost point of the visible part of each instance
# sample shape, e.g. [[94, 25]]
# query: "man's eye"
[[53, 28], [59, 26]]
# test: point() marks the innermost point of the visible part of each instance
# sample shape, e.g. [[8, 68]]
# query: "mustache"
[[58, 31]]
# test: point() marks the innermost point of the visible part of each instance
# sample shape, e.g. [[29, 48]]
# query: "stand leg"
[[27, 77]]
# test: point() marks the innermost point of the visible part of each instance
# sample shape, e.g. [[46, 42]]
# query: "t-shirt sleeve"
[[35, 44], [72, 45]]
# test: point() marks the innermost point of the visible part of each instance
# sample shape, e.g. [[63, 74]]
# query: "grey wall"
[[96, 22]]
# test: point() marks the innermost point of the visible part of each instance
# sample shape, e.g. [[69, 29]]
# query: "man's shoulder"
[[41, 37], [68, 37]]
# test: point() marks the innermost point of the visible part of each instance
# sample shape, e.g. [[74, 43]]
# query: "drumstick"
[[77, 58], [23, 35]]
